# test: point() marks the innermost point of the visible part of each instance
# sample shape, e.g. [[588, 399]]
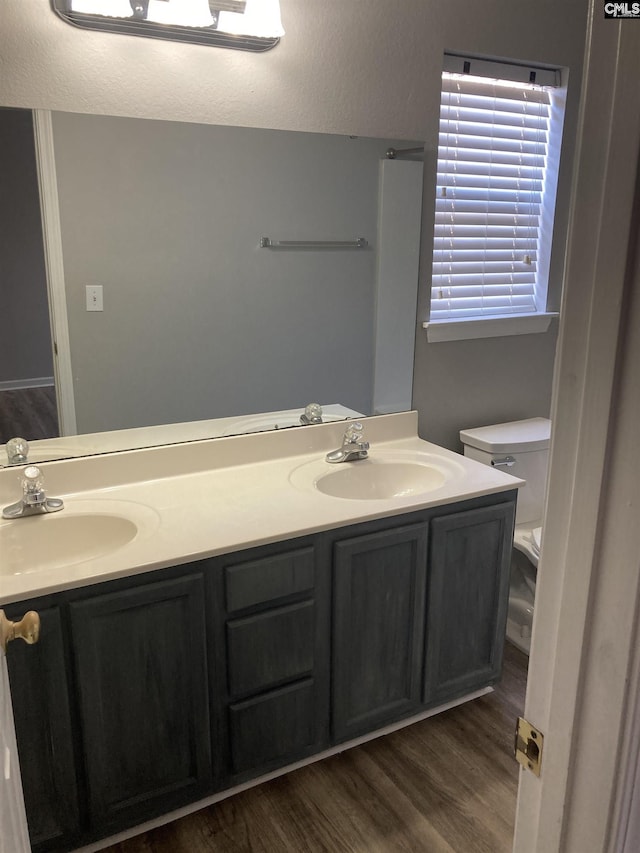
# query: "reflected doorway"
[[28, 404]]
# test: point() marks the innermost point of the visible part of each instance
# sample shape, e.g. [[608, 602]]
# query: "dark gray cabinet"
[[141, 675], [467, 600], [379, 593], [151, 692], [276, 637], [273, 729], [44, 731]]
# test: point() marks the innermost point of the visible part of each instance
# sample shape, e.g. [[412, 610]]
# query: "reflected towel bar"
[[267, 243]]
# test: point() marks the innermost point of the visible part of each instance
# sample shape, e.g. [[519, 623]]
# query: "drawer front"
[[268, 579], [270, 648], [274, 728]]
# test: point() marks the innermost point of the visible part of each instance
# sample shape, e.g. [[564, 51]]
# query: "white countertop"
[[212, 497]]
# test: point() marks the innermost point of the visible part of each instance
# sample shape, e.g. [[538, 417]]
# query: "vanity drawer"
[[269, 578], [274, 727], [270, 648]]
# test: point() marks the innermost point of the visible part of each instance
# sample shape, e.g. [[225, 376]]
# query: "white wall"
[[367, 67]]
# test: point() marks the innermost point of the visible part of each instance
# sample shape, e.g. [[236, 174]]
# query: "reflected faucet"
[[34, 499], [353, 445], [312, 414], [17, 451]]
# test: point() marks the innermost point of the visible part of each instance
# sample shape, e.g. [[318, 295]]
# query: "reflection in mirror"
[[181, 326]]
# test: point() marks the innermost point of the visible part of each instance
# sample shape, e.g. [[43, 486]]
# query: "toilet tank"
[[527, 442]]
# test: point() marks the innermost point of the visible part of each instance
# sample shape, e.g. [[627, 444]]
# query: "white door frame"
[[586, 609], [14, 833], [52, 237]]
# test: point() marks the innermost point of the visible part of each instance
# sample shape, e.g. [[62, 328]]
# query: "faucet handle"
[[17, 450], [353, 433], [32, 480], [312, 414]]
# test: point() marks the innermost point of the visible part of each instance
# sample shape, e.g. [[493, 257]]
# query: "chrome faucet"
[[312, 414], [353, 445], [34, 499], [17, 451]]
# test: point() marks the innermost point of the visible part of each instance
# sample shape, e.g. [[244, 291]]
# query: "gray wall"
[[198, 321], [25, 336], [463, 384], [349, 68]]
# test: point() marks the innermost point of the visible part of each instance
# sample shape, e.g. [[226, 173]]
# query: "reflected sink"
[[79, 533], [381, 477], [275, 420]]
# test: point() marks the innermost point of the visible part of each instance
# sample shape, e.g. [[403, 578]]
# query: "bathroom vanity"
[[273, 620]]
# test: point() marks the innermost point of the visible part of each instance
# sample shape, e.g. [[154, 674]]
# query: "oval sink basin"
[[65, 538], [377, 478], [361, 481]]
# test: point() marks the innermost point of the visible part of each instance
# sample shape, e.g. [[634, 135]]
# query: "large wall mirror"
[[241, 274]]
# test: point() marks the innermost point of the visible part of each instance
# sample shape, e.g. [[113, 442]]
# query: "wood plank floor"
[[444, 785], [30, 413]]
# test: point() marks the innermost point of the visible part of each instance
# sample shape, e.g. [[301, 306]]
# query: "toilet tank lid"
[[530, 434]]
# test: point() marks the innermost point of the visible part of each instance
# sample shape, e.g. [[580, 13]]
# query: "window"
[[495, 198]]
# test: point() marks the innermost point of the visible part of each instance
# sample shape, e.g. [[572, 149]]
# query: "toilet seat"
[[525, 541], [536, 539]]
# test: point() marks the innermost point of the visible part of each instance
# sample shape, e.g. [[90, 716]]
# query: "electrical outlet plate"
[[94, 297]]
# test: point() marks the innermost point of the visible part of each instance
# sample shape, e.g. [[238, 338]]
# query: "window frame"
[[538, 320]]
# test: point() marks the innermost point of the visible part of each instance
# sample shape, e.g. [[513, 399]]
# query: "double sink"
[[191, 501], [87, 530]]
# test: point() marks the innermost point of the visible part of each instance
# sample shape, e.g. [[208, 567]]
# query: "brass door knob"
[[28, 629]]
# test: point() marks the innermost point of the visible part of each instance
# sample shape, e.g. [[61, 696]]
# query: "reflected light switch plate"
[[94, 297]]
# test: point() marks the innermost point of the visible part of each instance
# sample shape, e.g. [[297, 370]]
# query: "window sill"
[[487, 327]]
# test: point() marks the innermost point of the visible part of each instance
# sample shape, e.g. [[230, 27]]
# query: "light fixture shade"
[[181, 13], [252, 25], [108, 8], [261, 19]]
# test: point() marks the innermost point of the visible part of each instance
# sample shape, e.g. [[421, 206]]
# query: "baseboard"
[[21, 384]]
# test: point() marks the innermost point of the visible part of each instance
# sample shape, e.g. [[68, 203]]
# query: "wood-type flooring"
[[29, 413], [445, 785]]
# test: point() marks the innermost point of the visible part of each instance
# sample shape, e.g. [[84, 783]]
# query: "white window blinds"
[[492, 155]]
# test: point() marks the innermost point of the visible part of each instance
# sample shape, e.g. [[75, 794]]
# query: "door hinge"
[[528, 746], [55, 348]]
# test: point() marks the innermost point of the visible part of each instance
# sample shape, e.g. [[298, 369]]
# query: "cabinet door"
[[467, 600], [379, 591], [44, 733], [141, 674]]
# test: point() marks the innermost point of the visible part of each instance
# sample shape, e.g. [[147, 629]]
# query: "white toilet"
[[520, 448]]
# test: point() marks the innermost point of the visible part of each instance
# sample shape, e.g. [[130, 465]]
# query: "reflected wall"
[[198, 321]]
